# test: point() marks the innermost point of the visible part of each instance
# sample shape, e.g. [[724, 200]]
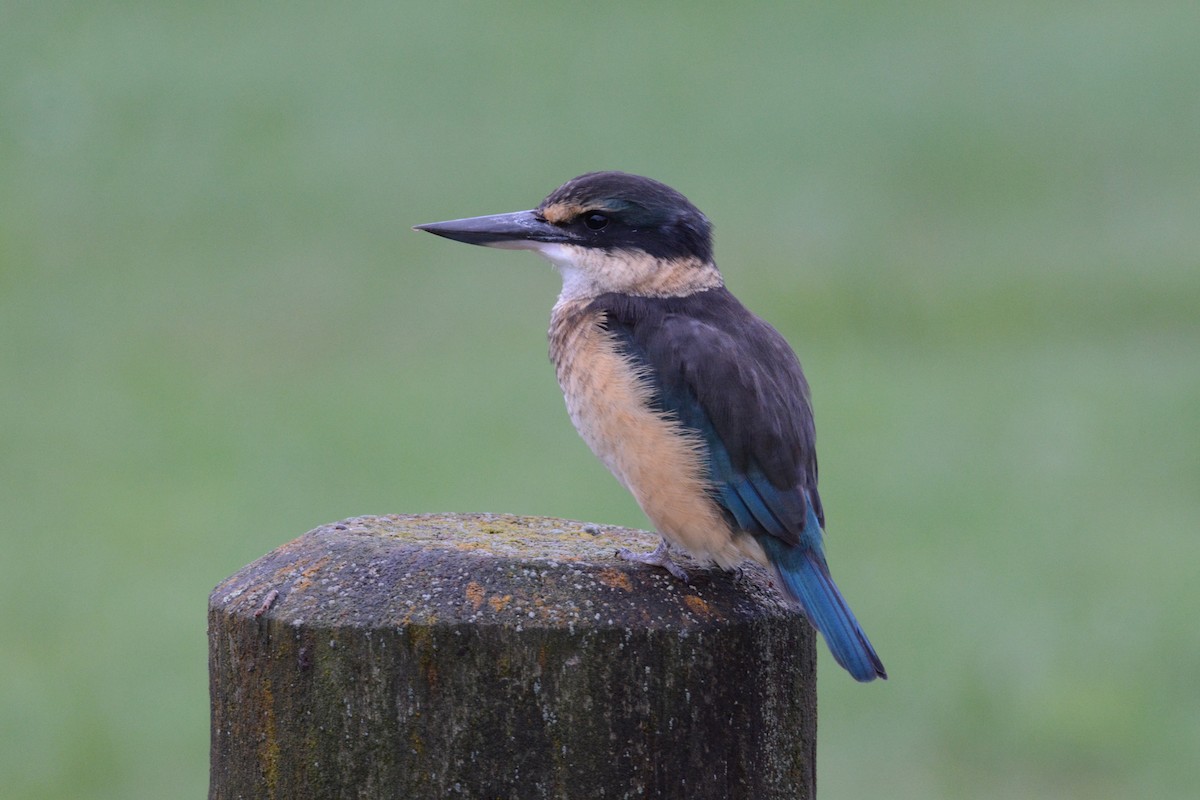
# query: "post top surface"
[[538, 539], [426, 569]]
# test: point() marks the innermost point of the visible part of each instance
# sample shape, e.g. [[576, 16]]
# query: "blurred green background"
[[979, 224]]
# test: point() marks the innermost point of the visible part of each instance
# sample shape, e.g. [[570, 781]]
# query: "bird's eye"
[[596, 222]]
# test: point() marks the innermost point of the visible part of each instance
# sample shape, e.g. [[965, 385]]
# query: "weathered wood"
[[488, 656]]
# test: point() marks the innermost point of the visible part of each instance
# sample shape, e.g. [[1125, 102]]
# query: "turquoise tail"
[[806, 579]]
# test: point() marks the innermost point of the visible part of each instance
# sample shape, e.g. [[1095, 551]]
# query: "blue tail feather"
[[806, 579]]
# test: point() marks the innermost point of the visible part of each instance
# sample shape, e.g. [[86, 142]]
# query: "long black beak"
[[519, 229]]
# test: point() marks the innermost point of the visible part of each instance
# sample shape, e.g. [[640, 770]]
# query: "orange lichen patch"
[[306, 575], [557, 213], [697, 605], [269, 747], [415, 741], [475, 595], [614, 579], [499, 603]]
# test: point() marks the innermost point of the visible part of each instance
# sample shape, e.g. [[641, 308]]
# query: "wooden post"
[[489, 656]]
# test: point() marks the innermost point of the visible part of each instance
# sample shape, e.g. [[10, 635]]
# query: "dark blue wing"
[[732, 378]]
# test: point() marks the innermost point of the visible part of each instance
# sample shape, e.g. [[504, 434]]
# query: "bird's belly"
[[661, 463]]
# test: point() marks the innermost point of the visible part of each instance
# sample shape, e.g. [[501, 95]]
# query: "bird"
[[697, 406]]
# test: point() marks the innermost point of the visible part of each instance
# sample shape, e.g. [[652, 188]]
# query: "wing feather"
[[731, 377]]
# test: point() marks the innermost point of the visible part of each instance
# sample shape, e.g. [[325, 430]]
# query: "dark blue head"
[[606, 232], [619, 211]]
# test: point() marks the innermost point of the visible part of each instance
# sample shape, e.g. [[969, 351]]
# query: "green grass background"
[[979, 224]]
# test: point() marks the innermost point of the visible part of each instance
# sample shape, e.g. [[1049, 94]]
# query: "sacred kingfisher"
[[697, 406]]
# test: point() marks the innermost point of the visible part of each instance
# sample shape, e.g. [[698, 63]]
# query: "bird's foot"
[[661, 557]]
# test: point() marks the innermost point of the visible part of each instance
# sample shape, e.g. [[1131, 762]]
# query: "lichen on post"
[[492, 656]]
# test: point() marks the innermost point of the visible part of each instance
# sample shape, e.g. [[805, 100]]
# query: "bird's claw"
[[660, 557]]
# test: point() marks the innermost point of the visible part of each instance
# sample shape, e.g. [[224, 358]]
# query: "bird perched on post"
[[698, 407]]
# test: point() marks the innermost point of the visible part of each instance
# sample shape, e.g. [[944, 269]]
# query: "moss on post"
[[489, 656]]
